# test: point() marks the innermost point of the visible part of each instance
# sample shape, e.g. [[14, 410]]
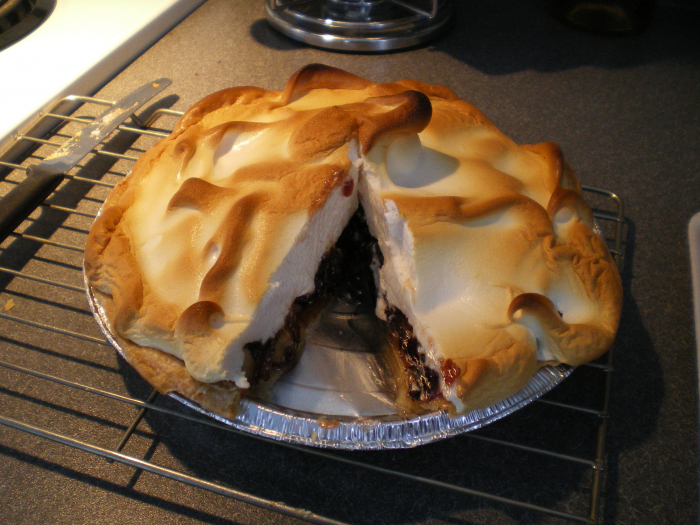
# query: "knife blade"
[[45, 177]]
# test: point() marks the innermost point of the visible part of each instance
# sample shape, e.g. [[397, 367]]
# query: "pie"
[[230, 237]]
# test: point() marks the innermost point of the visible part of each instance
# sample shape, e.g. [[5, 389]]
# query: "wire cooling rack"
[[62, 384]]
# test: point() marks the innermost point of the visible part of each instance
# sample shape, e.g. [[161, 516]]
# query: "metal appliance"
[[360, 25]]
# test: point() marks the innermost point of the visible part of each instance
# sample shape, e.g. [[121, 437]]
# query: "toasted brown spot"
[[214, 135], [195, 320], [538, 305], [185, 149], [314, 76], [558, 172], [232, 237], [433, 91], [218, 100], [426, 210], [199, 194], [407, 113], [322, 134], [562, 198]]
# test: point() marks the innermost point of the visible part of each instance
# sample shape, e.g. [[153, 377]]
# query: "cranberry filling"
[[348, 185]]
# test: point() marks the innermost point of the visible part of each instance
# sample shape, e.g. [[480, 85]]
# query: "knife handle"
[[26, 197]]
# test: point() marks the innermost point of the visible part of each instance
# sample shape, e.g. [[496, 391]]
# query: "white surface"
[[82, 45]]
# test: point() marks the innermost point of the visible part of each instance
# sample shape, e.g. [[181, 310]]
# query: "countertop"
[[626, 112]]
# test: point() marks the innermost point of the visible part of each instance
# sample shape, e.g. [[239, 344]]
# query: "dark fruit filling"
[[423, 382], [358, 249]]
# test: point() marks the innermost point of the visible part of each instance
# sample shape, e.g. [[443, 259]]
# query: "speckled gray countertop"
[[626, 112]]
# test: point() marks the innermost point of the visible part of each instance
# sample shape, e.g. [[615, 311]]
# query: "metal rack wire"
[[47, 336]]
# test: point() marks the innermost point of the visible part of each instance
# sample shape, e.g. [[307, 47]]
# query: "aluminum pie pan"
[[338, 418]]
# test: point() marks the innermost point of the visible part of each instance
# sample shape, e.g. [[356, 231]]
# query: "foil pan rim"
[[383, 433]]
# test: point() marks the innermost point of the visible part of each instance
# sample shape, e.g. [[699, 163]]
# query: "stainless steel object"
[[360, 25], [42, 179]]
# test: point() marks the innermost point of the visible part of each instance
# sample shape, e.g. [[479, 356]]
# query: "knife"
[[45, 177]]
